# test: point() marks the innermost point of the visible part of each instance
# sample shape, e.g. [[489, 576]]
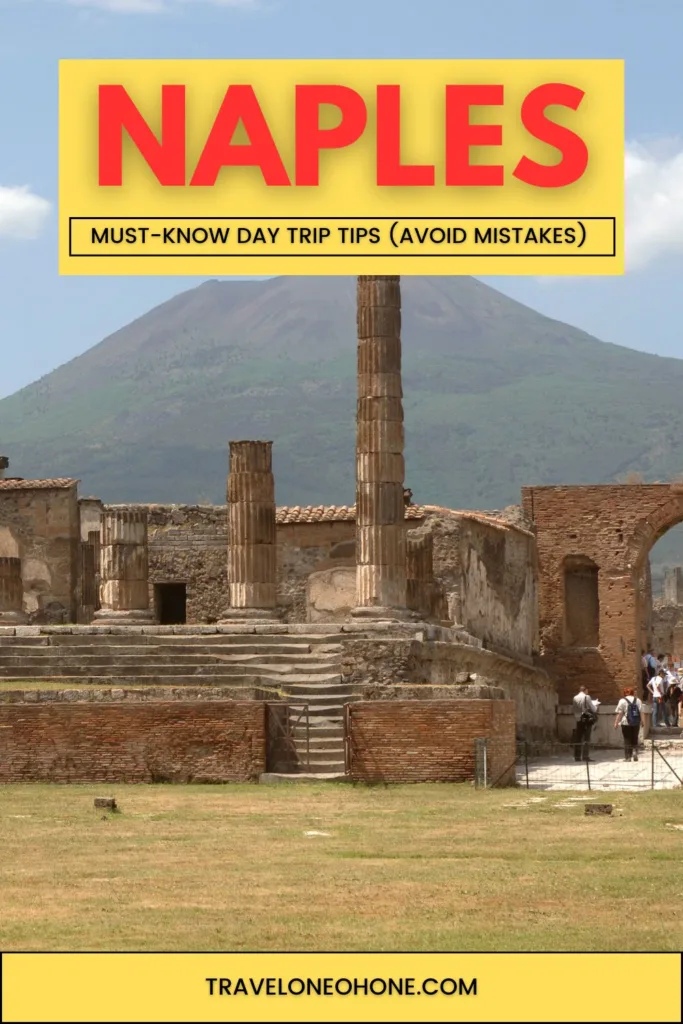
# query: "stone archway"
[[613, 526]]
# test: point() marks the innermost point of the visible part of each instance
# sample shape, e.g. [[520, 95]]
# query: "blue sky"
[[46, 320]]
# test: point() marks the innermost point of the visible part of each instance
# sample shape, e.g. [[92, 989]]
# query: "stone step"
[[247, 683], [218, 651], [324, 730], [323, 767], [127, 666], [321, 741], [327, 699], [305, 677], [330, 712], [169, 639], [315, 756], [302, 778]]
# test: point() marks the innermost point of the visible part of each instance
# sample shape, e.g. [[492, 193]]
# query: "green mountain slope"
[[496, 396]]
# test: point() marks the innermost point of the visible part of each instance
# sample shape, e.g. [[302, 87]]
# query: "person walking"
[[628, 716], [673, 697], [656, 692], [585, 717]]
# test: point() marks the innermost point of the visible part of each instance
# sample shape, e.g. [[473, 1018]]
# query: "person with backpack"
[[628, 716]]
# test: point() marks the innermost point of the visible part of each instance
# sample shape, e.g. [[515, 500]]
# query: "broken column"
[[252, 565], [124, 568], [380, 506], [11, 593]]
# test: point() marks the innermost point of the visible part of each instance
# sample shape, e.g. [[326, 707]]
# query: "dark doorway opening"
[[170, 600]]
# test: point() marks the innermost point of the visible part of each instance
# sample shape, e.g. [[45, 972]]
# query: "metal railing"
[[282, 728], [659, 765]]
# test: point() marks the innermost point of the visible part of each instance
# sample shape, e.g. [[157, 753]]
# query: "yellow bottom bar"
[[341, 987]]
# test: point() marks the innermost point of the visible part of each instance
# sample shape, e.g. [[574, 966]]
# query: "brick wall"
[[614, 525], [429, 741], [163, 742]]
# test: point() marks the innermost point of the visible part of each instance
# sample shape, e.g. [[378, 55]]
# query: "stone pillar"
[[124, 572], [252, 564], [11, 593], [94, 541], [673, 585], [420, 573], [88, 583], [380, 505]]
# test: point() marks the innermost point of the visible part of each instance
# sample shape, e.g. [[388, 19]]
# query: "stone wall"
[[182, 741], [430, 741], [189, 544], [665, 619], [304, 548], [398, 669], [484, 569], [499, 602], [40, 521]]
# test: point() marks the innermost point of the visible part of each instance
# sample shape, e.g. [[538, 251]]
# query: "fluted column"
[[11, 593], [252, 550], [380, 507], [124, 568]]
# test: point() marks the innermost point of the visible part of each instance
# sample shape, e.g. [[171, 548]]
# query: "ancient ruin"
[[124, 568], [251, 532], [221, 642], [380, 516]]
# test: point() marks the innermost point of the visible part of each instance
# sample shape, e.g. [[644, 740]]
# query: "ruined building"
[[380, 639]]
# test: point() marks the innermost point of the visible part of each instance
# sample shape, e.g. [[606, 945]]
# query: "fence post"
[[480, 766], [526, 762], [652, 767], [588, 773]]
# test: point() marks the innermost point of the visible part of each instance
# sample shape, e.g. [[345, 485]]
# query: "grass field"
[[432, 867]]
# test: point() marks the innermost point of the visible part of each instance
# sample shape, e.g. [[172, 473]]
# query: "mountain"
[[496, 396]]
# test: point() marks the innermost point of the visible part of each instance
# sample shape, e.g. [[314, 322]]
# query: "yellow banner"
[[341, 987], [341, 166]]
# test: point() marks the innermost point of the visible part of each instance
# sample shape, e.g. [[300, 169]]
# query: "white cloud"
[[23, 214], [152, 6], [654, 202]]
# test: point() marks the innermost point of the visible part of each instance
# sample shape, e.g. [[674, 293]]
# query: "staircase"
[[301, 670]]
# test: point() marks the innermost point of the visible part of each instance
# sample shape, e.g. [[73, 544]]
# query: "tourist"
[[629, 710], [655, 688], [653, 665], [585, 717], [672, 698]]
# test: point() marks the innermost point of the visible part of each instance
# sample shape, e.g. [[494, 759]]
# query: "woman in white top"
[[629, 712]]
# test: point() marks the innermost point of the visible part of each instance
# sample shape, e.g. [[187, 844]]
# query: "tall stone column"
[[380, 506], [252, 564], [11, 593], [124, 568]]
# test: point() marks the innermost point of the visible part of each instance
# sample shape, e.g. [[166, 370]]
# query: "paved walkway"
[[609, 771]]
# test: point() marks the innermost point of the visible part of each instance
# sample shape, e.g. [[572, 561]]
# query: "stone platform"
[[416, 630]]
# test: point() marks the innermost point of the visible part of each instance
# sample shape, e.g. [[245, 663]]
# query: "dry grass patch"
[[414, 867]]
